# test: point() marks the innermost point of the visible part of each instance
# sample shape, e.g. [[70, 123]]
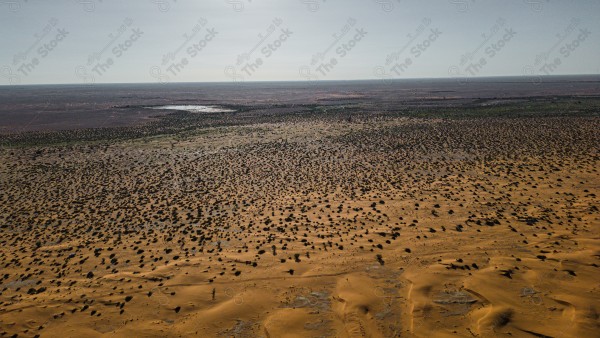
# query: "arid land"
[[332, 218]]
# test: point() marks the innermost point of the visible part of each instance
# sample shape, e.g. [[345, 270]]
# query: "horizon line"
[[302, 81]]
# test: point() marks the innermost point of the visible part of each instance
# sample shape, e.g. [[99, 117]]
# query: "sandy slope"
[[486, 233]]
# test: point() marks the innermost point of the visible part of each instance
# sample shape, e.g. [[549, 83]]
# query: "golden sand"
[[396, 227]]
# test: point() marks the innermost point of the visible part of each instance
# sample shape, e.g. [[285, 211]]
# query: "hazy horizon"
[[534, 80]]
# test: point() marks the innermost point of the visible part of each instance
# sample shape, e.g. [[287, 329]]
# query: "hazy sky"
[[105, 41]]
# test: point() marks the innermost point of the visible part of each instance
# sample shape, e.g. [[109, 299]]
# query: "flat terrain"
[[435, 217]]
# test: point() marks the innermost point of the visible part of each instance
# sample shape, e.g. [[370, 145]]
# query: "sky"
[[167, 41]]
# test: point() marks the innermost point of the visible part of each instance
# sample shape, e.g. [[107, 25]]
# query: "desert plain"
[[331, 215]]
